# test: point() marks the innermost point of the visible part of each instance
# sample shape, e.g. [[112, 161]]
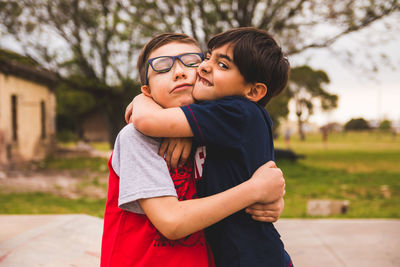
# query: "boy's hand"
[[176, 151], [266, 212], [128, 113], [139, 104], [268, 183]]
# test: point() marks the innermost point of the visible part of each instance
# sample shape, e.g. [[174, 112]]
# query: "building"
[[27, 109], [95, 126]]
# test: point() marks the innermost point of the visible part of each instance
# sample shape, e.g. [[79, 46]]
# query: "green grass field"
[[43, 203], [363, 168]]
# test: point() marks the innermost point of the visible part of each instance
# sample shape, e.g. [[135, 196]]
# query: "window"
[[14, 125], [43, 118]]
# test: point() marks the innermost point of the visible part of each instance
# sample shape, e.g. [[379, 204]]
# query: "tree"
[[358, 124], [278, 108], [306, 86], [291, 21], [89, 45], [92, 44], [72, 105], [385, 125]]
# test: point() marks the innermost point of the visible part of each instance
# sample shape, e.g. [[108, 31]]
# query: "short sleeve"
[[220, 122], [142, 172]]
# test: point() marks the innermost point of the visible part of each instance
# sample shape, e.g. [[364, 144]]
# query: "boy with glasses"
[[151, 219]]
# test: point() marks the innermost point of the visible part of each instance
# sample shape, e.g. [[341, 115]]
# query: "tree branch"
[[268, 18], [366, 21]]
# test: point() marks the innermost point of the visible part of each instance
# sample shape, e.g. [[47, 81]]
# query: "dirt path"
[[64, 183]]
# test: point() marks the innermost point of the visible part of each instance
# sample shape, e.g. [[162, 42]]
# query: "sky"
[[372, 95]]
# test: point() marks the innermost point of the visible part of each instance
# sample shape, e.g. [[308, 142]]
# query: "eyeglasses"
[[165, 63]]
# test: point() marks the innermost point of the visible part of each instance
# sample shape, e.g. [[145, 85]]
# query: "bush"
[[358, 124], [67, 136], [385, 125]]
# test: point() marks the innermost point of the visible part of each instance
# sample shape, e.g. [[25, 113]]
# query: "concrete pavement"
[[50, 240], [342, 243], [74, 240]]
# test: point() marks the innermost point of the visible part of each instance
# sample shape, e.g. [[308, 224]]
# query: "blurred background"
[[68, 70]]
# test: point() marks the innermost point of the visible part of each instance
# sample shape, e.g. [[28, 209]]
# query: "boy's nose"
[[205, 67], [179, 70]]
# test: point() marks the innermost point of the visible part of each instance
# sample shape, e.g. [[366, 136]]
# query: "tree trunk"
[[300, 126], [113, 130], [115, 116]]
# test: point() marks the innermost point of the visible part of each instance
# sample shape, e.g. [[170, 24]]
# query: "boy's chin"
[[184, 102], [200, 97], [197, 97]]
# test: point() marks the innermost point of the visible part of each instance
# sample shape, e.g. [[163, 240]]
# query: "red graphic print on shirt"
[[185, 189]]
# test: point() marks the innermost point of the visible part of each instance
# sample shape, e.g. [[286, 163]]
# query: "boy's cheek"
[[196, 92]]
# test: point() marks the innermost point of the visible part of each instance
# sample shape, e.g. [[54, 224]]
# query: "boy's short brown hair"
[[258, 58], [156, 42]]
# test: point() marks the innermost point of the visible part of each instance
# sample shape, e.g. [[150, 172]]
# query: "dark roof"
[[25, 67]]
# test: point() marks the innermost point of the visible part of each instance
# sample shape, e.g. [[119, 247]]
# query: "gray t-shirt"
[[142, 172]]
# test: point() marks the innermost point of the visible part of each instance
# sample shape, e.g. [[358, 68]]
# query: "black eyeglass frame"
[[174, 58]]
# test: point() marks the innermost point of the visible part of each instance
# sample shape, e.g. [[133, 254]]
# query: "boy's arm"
[[151, 119], [177, 150], [176, 219]]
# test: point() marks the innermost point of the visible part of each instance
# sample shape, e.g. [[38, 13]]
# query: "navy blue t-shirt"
[[238, 138]]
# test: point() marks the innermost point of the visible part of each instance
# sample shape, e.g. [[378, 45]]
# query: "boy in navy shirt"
[[242, 71]]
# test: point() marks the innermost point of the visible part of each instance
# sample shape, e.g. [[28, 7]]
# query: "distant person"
[[287, 137], [151, 219], [394, 134], [243, 69], [324, 131]]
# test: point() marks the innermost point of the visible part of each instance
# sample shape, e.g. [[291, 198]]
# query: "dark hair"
[[156, 42], [258, 58]]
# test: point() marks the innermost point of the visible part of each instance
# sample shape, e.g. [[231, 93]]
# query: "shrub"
[[358, 124]]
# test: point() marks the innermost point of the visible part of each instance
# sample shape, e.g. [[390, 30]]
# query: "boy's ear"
[[256, 92], [146, 90]]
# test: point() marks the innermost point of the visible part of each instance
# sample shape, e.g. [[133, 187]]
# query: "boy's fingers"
[[128, 112], [163, 147], [264, 215], [185, 153], [176, 155], [260, 206], [263, 212], [175, 150], [170, 150], [271, 164], [270, 215], [264, 219]]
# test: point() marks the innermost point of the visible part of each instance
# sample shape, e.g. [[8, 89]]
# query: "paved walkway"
[[50, 240], [74, 240], [342, 243]]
